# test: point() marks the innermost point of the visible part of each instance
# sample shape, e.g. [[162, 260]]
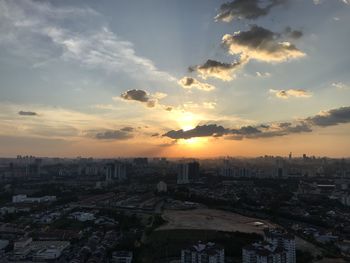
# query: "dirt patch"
[[210, 219]]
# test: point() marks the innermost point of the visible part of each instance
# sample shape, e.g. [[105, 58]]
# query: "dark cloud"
[[168, 108], [245, 9], [296, 93], [261, 44], [113, 135], [127, 129], [155, 134], [27, 113], [246, 130], [216, 69], [249, 132], [295, 34], [326, 118], [192, 83], [199, 131], [331, 117], [139, 95]]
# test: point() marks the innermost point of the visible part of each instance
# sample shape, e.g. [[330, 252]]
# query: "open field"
[[218, 220], [209, 219]]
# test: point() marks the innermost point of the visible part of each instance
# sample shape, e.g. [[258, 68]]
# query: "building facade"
[[203, 253]]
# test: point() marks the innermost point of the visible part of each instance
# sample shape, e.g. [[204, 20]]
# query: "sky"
[[199, 78]]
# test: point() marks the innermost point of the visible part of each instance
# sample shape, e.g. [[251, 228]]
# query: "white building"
[[122, 257], [25, 199], [201, 253], [82, 216]]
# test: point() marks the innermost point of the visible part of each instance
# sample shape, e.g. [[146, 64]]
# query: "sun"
[[193, 142]]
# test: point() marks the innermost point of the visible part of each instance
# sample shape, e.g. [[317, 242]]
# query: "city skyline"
[[177, 79]]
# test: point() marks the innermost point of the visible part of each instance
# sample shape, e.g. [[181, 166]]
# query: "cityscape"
[[264, 209], [174, 131]]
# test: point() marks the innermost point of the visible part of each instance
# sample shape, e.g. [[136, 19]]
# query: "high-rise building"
[[278, 237], [187, 172], [201, 252], [278, 247], [262, 252], [115, 172]]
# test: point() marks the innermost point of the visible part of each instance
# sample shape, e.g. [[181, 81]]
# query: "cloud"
[[263, 74], [39, 30], [192, 83], [340, 86], [168, 108], [323, 119], [261, 44], [216, 69], [121, 134], [286, 94], [294, 34], [127, 129], [245, 9], [331, 117], [27, 113], [140, 96], [248, 132], [318, 2], [199, 131]]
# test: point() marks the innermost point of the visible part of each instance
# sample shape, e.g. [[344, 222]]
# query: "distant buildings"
[[187, 172], [201, 252], [277, 247]]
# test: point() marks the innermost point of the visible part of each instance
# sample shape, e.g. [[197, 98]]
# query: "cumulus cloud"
[[331, 117], [121, 134], [216, 69], [27, 113], [323, 119], [245, 9], [286, 94], [261, 44], [140, 96], [192, 83]]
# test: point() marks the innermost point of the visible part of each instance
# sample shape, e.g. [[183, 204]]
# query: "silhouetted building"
[[141, 161], [115, 172], [187, 172]]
